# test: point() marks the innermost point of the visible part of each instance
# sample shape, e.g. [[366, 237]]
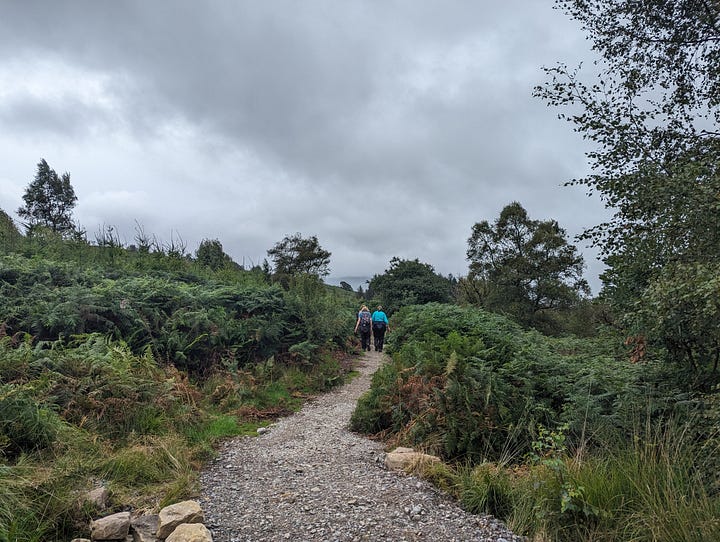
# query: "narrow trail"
[[309, 478]]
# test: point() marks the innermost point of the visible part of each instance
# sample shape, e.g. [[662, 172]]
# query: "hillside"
[[123, 369]]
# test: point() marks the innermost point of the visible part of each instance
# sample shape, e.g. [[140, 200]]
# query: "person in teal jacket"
[[380, 326]]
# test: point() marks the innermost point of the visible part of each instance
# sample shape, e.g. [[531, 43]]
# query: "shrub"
[[25, 426], [474, 385]]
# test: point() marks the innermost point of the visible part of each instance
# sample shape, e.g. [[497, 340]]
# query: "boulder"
[[114, 527], [190, 532], [80, 540], [144, 528], [98, 497], [407, 459], [176, 514]]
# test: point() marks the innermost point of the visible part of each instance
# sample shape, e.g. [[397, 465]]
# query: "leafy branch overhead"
[[652, 109]]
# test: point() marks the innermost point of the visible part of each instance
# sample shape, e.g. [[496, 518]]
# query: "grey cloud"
[[417, 114], [67, 117]]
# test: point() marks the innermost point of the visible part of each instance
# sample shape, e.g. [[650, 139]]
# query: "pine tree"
[[49, 200]]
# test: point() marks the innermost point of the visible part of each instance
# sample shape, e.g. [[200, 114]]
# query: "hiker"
[[364, 324], [380, 325]]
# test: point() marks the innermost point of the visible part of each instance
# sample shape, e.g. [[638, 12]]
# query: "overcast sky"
[[385, 128]]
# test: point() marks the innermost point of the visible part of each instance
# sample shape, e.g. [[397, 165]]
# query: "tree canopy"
[[526, 265], [298, 255], [49, 201], [653, 113], [210, 254], [9, 234], [409, 282]]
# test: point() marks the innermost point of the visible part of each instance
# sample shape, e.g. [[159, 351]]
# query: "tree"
[[296, 255], [653, 113], [10, 237], [49, 200], [210, 254], [409, 282], [525, 266]]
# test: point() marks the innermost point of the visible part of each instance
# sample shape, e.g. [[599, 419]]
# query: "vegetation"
[[408, 282], [210, 254], [297, 255], [124, 366], [653, 113], [49, 201], [564, 438], [524, 268]]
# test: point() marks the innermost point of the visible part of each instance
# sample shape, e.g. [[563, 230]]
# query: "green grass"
[[126, 368], [644, 489], [76, 416]]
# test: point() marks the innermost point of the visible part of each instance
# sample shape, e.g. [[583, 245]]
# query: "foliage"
[[194, 325], [320, 316], [653, 112], [525, 268], [210, 254], [645, 488], [408, 282], [295, 255], [77, 413], [470, 384], [126, 366], [683, 307], [49, 200], [185, 319], [564, 439], [10, 237], [25, 426]]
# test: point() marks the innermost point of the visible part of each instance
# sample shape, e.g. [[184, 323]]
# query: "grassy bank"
[[124, 369]]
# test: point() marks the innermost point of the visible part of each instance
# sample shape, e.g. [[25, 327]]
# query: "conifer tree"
[[49, 201]]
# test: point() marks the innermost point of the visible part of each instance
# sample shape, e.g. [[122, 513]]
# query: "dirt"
[[309, 478]]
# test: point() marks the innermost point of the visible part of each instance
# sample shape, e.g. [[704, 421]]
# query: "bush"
[[189, 321], [474, 385], [127, 367], [25, 426]]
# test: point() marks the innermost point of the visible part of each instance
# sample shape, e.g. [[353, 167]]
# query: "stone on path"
[[176, 514], [190, 532], [114, 527], [408, 459]]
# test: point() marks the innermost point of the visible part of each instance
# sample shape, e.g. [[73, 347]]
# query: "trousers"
[[365, 339], [379, 336]]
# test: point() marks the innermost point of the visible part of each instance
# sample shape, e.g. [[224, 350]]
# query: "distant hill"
[[352, 281]]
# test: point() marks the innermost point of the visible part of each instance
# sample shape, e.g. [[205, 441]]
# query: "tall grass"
[[651, 487], [77, 415], [124, 368]]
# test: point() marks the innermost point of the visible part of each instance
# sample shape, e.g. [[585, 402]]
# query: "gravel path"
[[309, 478]]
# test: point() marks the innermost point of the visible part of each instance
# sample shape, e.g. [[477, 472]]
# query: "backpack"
[[364, 321]]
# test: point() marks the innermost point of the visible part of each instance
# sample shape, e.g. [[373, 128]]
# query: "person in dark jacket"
[[380, 325], [364, 324]]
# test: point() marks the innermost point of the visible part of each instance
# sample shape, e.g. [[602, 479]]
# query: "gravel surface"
[[309, 478]]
